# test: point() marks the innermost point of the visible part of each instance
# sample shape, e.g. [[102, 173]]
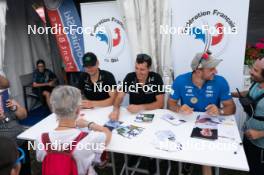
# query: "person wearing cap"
[[202, 90], [97, 86], [254, 125]]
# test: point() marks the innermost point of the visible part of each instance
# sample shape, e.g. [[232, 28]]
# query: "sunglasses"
[[205, 56]]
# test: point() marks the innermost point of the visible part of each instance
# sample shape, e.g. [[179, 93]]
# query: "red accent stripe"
[[62, 42]]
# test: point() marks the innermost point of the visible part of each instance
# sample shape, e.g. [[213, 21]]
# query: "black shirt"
[[43, 77], [100, 90], [146, 93]]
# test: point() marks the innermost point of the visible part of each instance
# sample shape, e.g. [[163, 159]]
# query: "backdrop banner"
[[210, 24], [106, 37], [66, 25]]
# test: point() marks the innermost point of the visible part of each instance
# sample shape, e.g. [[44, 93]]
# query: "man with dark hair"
[[202, 90], [94, 84], [144, 87], [254, 125], [43, 81]]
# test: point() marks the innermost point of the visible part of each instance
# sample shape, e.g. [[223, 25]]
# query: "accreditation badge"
[[194, 100]]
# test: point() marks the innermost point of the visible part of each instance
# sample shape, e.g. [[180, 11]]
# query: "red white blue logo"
[[212, 30], [111, 38]]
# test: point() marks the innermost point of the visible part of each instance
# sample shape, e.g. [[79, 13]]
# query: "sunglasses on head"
[[205, 56]]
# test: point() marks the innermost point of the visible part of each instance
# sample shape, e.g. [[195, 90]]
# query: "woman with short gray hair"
[[65, 101], [66, 104]]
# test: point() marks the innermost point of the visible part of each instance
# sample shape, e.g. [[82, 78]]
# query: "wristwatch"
[[14, 108], [89, 125]]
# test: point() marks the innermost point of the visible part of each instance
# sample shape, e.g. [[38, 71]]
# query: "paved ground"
[[36, 168]]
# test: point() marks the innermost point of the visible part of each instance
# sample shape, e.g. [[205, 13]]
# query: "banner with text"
[[107, 39], [66, 26], [212, 25]]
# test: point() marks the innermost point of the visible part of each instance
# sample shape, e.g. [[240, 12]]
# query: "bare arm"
[[95, 127], [158, 104], [183, 109], [236, 95], [51, 83], [107, 102], [114, 115], [119, 100], [105, 130], [173, 105], [229, 107], [135, 108], [39, 84], [254, 134], [20, 112]]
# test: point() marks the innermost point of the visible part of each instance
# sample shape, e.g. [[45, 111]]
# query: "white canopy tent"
[[142, 19], [22, 50], [2, 33], [19, 51]]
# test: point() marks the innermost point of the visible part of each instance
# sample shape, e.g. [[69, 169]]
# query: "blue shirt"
[[252, 123], [212, 92]]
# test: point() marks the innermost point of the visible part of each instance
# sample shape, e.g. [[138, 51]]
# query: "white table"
[[211, 155]]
